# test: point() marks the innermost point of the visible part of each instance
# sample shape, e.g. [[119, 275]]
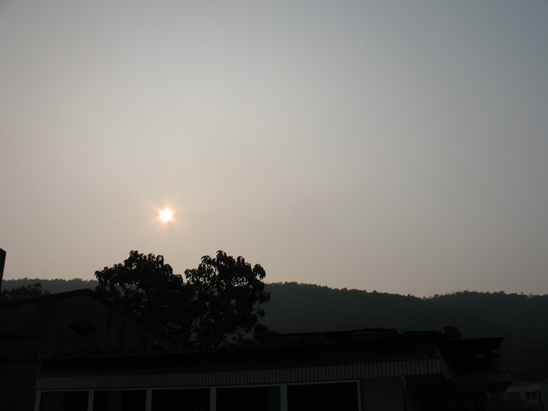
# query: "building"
[[76, 351], [531, 394], [65, 325], [346, 371]]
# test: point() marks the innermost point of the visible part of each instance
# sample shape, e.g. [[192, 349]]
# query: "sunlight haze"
[[393, 146]]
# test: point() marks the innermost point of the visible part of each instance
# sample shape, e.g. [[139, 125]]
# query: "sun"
[[166, 215]]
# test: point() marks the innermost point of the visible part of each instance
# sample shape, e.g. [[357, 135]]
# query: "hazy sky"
[[395, 146]]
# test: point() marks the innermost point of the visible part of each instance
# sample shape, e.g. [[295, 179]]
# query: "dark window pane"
[[131, 400], [64, 401], [180, 400], [248, 399], [323, 397], [75, 401], [51, 401]]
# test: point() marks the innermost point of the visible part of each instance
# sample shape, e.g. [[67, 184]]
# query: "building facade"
[[346, 371]]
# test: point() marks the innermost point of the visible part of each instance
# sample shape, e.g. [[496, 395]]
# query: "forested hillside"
[[513, 315], [522, 319], [296, 307]]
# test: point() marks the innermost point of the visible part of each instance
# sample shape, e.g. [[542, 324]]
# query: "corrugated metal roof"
[[482, 371], [310, 362], [286, 364], [267, 376]]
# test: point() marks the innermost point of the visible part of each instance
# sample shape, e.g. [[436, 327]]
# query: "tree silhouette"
[[227, 293], [146, 286], [25, 291], [218, 302]]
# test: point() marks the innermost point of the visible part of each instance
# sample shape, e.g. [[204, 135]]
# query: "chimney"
[[2, 262]]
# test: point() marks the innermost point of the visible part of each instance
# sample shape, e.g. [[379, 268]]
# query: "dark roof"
[[52, 297], [293, 362], [20, 302], [375, 340]]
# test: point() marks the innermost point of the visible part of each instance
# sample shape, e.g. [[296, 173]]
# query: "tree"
[[219, 300], [226, 293], [146, 286], [25, 291]]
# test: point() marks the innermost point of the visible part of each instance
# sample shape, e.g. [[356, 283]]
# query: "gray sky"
[[394, 146]]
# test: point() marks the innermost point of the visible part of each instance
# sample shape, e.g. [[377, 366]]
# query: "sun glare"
[[166, 215]]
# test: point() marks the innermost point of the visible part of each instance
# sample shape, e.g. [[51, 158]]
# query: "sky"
[[391, 145]]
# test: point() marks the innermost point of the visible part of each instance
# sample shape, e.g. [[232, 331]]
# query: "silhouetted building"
[[75, 351], [343, 371], [72, 324], [531, 394]]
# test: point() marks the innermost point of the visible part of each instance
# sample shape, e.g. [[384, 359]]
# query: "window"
[[131, 400], [180, 400], [64, 401], [532, 395], [323, 397], [82, 327], [248, 399]]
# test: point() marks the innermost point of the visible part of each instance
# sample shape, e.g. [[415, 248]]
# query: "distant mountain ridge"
[[297, 307], [53, 286]]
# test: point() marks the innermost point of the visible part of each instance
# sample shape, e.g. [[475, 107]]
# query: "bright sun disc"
[[166, 215]]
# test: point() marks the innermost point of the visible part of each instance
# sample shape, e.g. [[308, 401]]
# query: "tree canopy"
[[24, 291], [146, 286], [218, 302], [226, 292]]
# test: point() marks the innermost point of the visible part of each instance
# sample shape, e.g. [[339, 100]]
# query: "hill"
[[53, 286], [295, 307], [522, 319]]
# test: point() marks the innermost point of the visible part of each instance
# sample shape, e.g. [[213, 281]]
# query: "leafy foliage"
[[216, 303], [225, 294], [24, 291], [146, 286]]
